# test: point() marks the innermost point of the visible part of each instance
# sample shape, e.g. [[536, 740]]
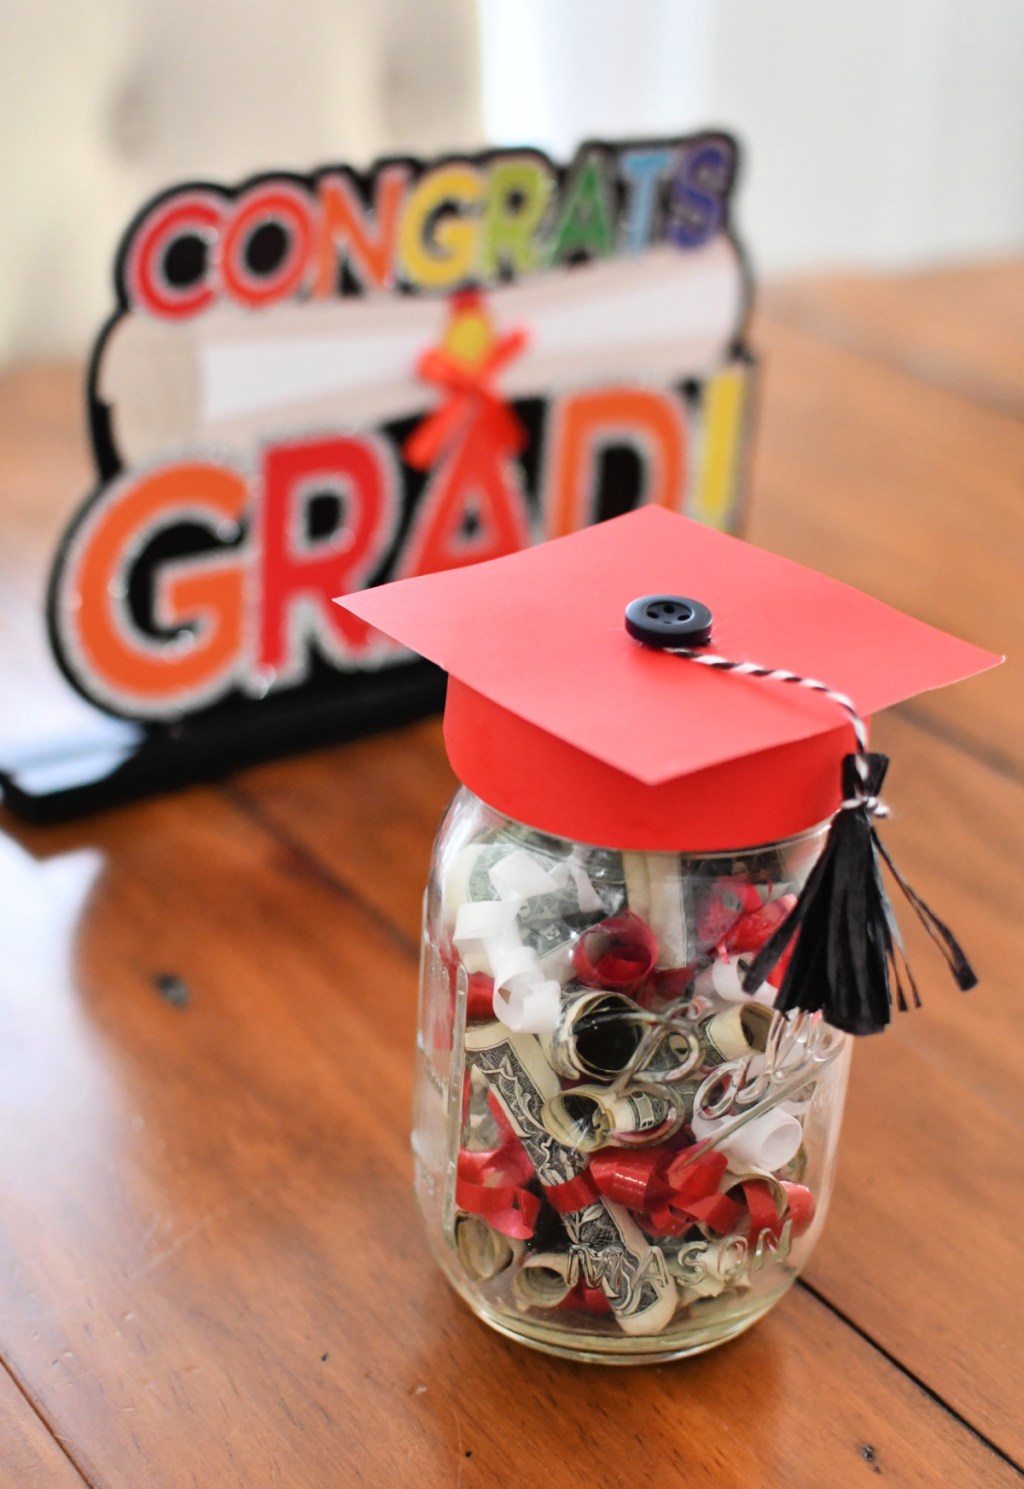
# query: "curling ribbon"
[[764, 1213], [766, 1142], [574, 1194], [723, 907], [667, 985], [480, 996], [489, 1183], [751, 931], [590, 1299], [674, 1188], [678, 1188], [473, 418], [617, 954]]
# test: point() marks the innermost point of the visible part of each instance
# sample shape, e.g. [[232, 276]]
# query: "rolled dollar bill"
[[655, 892], [483, 1251], [587, 1117], [638, 884], [606, 1246], [596, 1034], [541, 1281], [667, 913], [735, 1032]]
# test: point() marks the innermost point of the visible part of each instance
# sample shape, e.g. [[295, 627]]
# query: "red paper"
[[541, 633], [558, 717]]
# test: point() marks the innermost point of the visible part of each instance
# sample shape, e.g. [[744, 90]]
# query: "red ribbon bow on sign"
[[473, 419]]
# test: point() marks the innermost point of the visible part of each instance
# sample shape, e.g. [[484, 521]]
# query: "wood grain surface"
[[211, 1268], [30, 1456], [961, 327]]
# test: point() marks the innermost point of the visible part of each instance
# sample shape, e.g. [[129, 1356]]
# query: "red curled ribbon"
[[590, 1299], [574, 1194], [673, 1188], [676, 1188], [489, 1183], [480, 996], [752, 931], [726, 902], [666, 985], [617, 954], [764, 1216]]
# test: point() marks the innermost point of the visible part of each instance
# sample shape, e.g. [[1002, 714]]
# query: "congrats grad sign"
[[314, 384]]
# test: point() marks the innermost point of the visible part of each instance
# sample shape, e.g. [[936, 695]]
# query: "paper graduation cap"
[[557, 716]]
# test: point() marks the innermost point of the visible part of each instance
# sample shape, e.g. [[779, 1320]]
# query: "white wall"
[[105, 102], [888, 132]]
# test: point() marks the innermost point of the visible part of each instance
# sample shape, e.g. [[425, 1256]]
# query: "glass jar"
[[620, 1155]]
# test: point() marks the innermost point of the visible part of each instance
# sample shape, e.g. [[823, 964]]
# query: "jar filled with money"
[[619, 1152], [656, 912]]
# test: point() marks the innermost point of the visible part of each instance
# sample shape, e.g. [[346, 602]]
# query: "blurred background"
[[879, 133]]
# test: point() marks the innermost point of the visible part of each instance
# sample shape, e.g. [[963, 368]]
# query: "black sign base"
[[115, 761]]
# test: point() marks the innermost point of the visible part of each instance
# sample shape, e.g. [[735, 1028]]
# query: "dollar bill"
[[587, 1116], [656, 884], [606, 1246], [589, 889]]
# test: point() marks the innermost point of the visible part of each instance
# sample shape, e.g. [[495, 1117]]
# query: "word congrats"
[[314, 384]]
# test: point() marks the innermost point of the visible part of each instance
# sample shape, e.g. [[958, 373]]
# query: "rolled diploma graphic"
[[229, 377]]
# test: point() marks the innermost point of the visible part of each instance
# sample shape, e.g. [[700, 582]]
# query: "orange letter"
[[347, 228], [111, 659], [585, 423]]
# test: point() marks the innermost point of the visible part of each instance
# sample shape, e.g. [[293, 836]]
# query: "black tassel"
[[848, 961]]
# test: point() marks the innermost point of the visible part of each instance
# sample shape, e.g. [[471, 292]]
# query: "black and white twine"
[[865, 800], [848, 961]]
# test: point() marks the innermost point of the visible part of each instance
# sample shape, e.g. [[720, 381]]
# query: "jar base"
[[621, 1349]]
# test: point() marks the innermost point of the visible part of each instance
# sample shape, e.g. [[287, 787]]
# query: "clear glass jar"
[[619, 1155]]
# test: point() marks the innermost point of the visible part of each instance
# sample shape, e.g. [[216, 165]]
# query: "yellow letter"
[[439, 247]]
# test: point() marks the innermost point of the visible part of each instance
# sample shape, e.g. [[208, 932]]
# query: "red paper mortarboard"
[[557, 717]]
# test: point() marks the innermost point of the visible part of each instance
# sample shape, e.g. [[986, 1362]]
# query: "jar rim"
[[703, 855]]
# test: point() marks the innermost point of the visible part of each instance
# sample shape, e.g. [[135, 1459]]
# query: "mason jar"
[[620, 1155]]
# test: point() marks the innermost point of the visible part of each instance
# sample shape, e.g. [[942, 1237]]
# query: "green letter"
[[586, 225], [518, 193]]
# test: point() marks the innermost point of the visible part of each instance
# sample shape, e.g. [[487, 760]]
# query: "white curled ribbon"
[[724, 979], [527, 999], [766, 1142]]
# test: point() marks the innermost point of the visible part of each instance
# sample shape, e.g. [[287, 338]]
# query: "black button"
[[668, 620]]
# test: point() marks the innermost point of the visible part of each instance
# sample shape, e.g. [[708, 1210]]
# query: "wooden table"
[[211, 1268]]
